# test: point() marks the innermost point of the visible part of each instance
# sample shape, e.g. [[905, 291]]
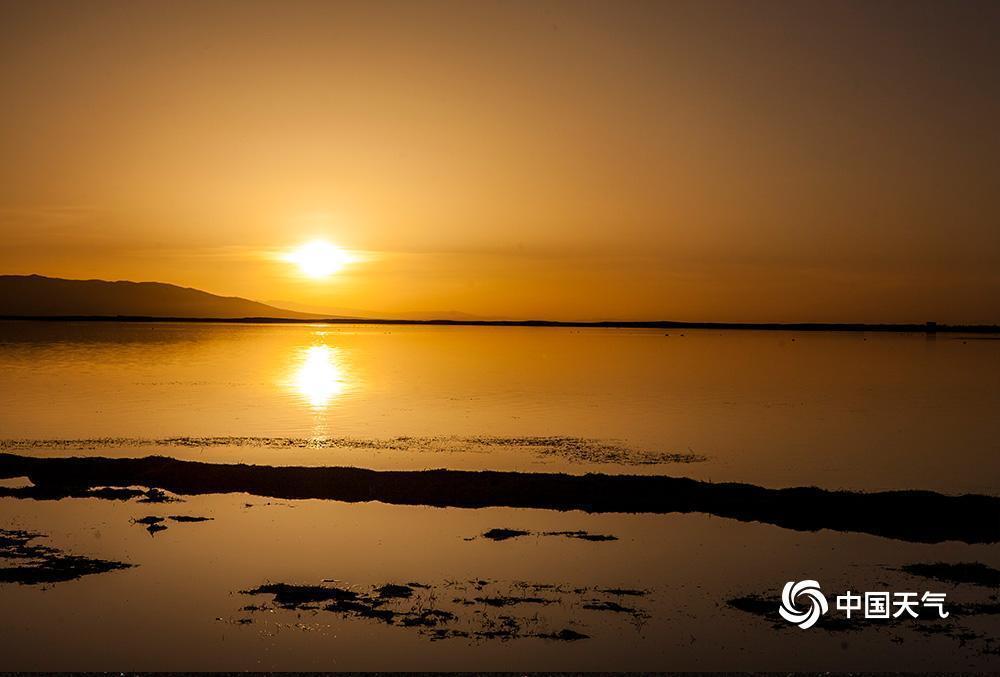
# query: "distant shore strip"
[[925, 328]]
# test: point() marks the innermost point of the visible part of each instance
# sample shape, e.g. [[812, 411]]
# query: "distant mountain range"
[[38, 296]]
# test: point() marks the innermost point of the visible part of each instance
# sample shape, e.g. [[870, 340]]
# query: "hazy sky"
[[677, 160]]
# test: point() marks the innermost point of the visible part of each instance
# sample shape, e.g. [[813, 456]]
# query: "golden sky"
[[773, 161]]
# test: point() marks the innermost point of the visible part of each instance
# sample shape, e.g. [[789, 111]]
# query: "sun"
[[318, 259]]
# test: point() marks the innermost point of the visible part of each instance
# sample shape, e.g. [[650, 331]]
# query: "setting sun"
[[318, 259]]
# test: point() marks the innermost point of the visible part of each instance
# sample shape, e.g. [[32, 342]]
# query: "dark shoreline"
[[916, 516], [925, 328]]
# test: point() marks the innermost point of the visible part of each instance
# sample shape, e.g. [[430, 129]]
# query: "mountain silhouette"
[[39, 296]]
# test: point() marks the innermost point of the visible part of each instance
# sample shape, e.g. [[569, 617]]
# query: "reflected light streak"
[[320, 377]]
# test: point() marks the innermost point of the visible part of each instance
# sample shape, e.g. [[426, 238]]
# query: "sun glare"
[[318, 259]]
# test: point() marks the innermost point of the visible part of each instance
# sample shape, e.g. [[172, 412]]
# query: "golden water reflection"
[[319, 376]]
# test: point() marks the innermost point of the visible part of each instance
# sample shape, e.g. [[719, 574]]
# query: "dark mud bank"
[[918, 516], [37, 564]]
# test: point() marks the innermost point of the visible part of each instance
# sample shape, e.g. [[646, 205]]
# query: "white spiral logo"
[[817, 603]]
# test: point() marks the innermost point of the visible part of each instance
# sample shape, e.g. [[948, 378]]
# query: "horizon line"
[[929, 327]]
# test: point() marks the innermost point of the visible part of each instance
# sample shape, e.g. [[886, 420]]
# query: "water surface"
[[851, 410], [121, 578]]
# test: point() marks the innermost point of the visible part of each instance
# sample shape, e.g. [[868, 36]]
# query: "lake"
[[271, 582]]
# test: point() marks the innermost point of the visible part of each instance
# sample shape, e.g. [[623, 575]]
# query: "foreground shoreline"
[[914, 516]]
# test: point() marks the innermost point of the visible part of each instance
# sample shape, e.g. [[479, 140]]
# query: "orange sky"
[[787, 161]]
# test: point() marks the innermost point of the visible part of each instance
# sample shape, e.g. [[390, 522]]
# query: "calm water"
[[775, 409]]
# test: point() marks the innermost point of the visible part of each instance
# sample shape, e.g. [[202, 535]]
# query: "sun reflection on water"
[[319, 377]]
